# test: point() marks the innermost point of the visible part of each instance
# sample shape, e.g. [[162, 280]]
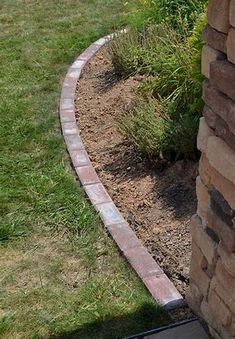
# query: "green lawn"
[[60, 274]]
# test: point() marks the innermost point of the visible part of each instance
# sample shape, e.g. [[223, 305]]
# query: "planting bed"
[[157, 200]]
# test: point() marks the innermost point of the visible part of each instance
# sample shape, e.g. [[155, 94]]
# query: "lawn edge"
[[156, 281]]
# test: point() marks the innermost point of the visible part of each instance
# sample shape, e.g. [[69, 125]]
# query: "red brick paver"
[[158, 284]]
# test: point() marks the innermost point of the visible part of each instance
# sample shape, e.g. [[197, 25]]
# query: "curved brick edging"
[[156, 281]]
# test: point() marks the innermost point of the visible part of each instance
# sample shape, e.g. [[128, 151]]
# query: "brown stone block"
[[194, 297], [228, 259], [221, 157], [222, 130], [215, 39], [225, 279], [225, 233], [210, 176], [199, 256], [221, 207], [232, 13], [209, 116], [203, 199], [231, 329], [209, 55], [199, 277], [231, 45], [220, 104], [215, 327], [205, 170], [207, 314], [219, 310], [207, 246], [222, 293], [203, 135], [222, 76], [226, 187], [218, 15], [215, 334]]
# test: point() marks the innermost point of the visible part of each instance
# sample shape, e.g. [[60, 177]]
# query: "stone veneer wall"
[[212, 275]]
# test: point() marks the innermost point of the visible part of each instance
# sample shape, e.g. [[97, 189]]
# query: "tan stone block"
[[228, 259], [209, 55], [231, 45], [223, 131], [209, 116], [205, 170], [221, 157], [210, 176], [203, 199], [220, 127], [218, 14], [199, 256], [220, 104], [215, 39], [207, 246], [225, 187], [222, 293], [214, 334], [194, 297], [203, 135], [199, 277], [222, 77], [217, 331], [225, 233], [207, 314], [232, 13], [225, 279], [231, 328], [220, 333], [219, 310], [221, 207]]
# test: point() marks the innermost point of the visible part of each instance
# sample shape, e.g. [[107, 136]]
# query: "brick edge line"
[[155, 280]]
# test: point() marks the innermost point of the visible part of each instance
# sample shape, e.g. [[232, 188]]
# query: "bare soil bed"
[[157, 201]]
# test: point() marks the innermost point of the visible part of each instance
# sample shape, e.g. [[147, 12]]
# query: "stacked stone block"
[[212, 274]]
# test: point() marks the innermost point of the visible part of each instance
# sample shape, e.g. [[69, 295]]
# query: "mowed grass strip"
[[60, 274]]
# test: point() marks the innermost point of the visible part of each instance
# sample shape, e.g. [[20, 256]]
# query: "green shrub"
[[125, 52], [148, 127], [171, 60], [157, 135], [180, 14]]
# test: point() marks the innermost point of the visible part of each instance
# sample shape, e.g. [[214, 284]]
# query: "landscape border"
[[154, 278]]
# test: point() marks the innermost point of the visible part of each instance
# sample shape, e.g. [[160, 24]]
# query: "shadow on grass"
[[145, 318]]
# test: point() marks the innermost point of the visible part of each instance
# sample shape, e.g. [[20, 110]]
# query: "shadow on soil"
[[145, 318], [164, 198], [107, 80], [174, 183]]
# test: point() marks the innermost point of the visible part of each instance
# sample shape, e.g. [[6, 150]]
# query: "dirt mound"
[[158, 203]]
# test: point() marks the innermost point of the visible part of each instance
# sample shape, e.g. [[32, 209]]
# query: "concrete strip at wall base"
[[155, 280]]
